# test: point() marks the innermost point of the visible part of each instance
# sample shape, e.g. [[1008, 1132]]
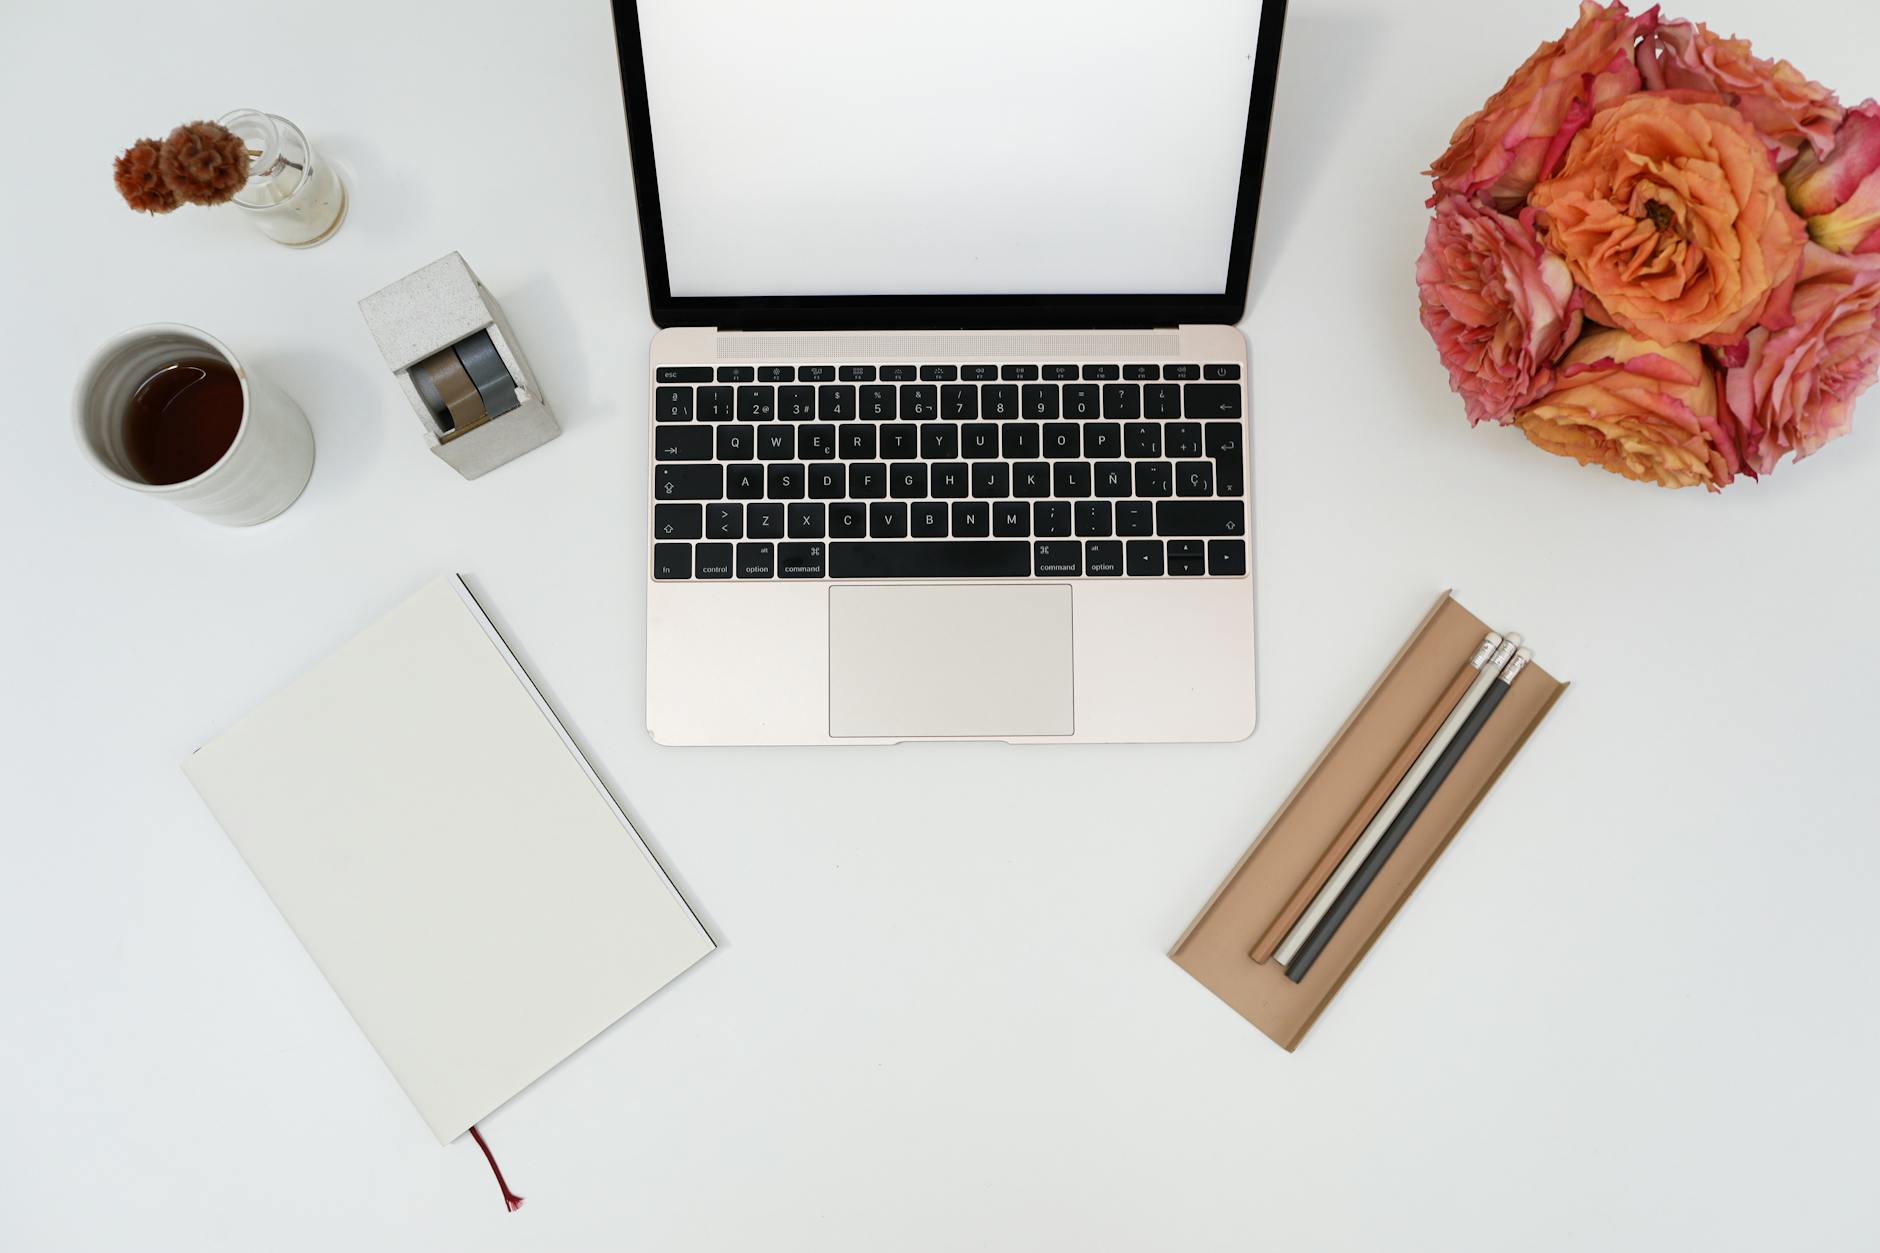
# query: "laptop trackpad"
[[979, 661]]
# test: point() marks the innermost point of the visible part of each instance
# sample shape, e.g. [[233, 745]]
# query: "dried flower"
[[204, 163], [140, 181]]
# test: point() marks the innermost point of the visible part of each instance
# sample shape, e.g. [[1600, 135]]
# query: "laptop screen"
[[948, 147]]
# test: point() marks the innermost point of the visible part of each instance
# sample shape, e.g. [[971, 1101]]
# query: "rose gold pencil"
[[1393, 774]]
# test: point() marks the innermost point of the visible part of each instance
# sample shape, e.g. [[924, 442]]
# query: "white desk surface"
[[1633, 1008]]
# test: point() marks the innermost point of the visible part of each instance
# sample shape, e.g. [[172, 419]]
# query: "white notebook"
[[447, 857]]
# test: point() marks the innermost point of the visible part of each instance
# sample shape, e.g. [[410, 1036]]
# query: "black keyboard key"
[[1058, 558], [991, 480], [1101, 373], [1211, 400], [702, 482], [1103, 439], [979, 440], [802, 561], [776, 443], [1071, 479], [735, 442], [1061, 440], [900, 441], [1018, 373], [971, 518], [1083, 401], [796, 404], [1091, 517], [1011, 519], [757, 561], [939, 373], [724, 521], [785, 481], [712, 561], [1182, 439], [1231, 371], [1122, 401], [1162, 400], [1051, 518], [856, 443], [672, 404], [848, 521], [1031, 478], [1200, 517], [856, 374], [1039, 400], [816, 374], [948, 479], [677, 522], [1143, 439], [1020, 440], [907, 480], [806, 519], [877, 403], [1194, 478], [1187, 548], [1143, 557], [1141, 372], [817, 442], [1103, 558], [715, 404], [1181, 372], [1229, 477], [828, 482], [672, 561], [1135, 517], [835, 402], [939, 441], [979, 373], [931, 559], [920, 402], [776, 374], [1060, 373], [999, 403], [764, 521], [868, 480], [1113, 479], [1187, 567], [887, 520], [897, 373], [1227, 558], [927, 520], [744, 482], [1155, 478], [685, 374], [683, 443], [961, 403], [1223, 439], [736, 374]]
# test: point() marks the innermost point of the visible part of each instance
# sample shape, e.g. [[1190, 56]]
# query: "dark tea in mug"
[[182, 418]]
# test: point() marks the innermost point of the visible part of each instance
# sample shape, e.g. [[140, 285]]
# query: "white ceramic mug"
[[266, 466]]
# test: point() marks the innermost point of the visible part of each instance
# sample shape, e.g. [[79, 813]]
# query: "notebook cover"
[[1215, 947], [447, 857]]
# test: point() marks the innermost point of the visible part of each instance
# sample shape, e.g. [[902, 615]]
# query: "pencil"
[[1374, 802], [1419, 770], [1322, 934]]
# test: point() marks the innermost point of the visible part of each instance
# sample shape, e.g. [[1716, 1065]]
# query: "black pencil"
[[1308, 953]]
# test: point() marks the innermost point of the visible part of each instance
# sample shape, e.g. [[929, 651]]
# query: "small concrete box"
[[441, 318]]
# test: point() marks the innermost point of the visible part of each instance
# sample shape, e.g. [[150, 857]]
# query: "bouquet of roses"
[[1656, 252]]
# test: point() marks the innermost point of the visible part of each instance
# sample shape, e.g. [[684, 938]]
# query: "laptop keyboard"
[[949, 472]]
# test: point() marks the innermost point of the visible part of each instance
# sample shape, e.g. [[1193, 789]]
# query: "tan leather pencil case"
[[1216, 948]]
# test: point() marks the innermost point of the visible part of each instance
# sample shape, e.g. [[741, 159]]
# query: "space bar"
[[931, 559]]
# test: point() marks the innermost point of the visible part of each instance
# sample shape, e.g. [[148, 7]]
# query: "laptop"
[[949, 414]]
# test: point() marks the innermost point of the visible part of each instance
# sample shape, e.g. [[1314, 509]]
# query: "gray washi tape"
[[486, 369]]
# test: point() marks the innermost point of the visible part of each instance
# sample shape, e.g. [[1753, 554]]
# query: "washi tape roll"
[[463, 404], [486, 369]]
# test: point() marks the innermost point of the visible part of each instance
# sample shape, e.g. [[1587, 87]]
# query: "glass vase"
[[294, 196]]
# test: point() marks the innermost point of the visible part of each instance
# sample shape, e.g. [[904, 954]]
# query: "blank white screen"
[[935, 147]]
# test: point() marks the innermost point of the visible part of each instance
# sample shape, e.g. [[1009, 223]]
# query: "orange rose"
[[1646, 411], [1669, 213]]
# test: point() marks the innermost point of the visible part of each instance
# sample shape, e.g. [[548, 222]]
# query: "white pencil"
[[1394, 803]]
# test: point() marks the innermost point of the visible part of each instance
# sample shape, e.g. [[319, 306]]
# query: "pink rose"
[[1796, 389], [1500, 307], [1517, 138], [1789, 111], [1840, 195]]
